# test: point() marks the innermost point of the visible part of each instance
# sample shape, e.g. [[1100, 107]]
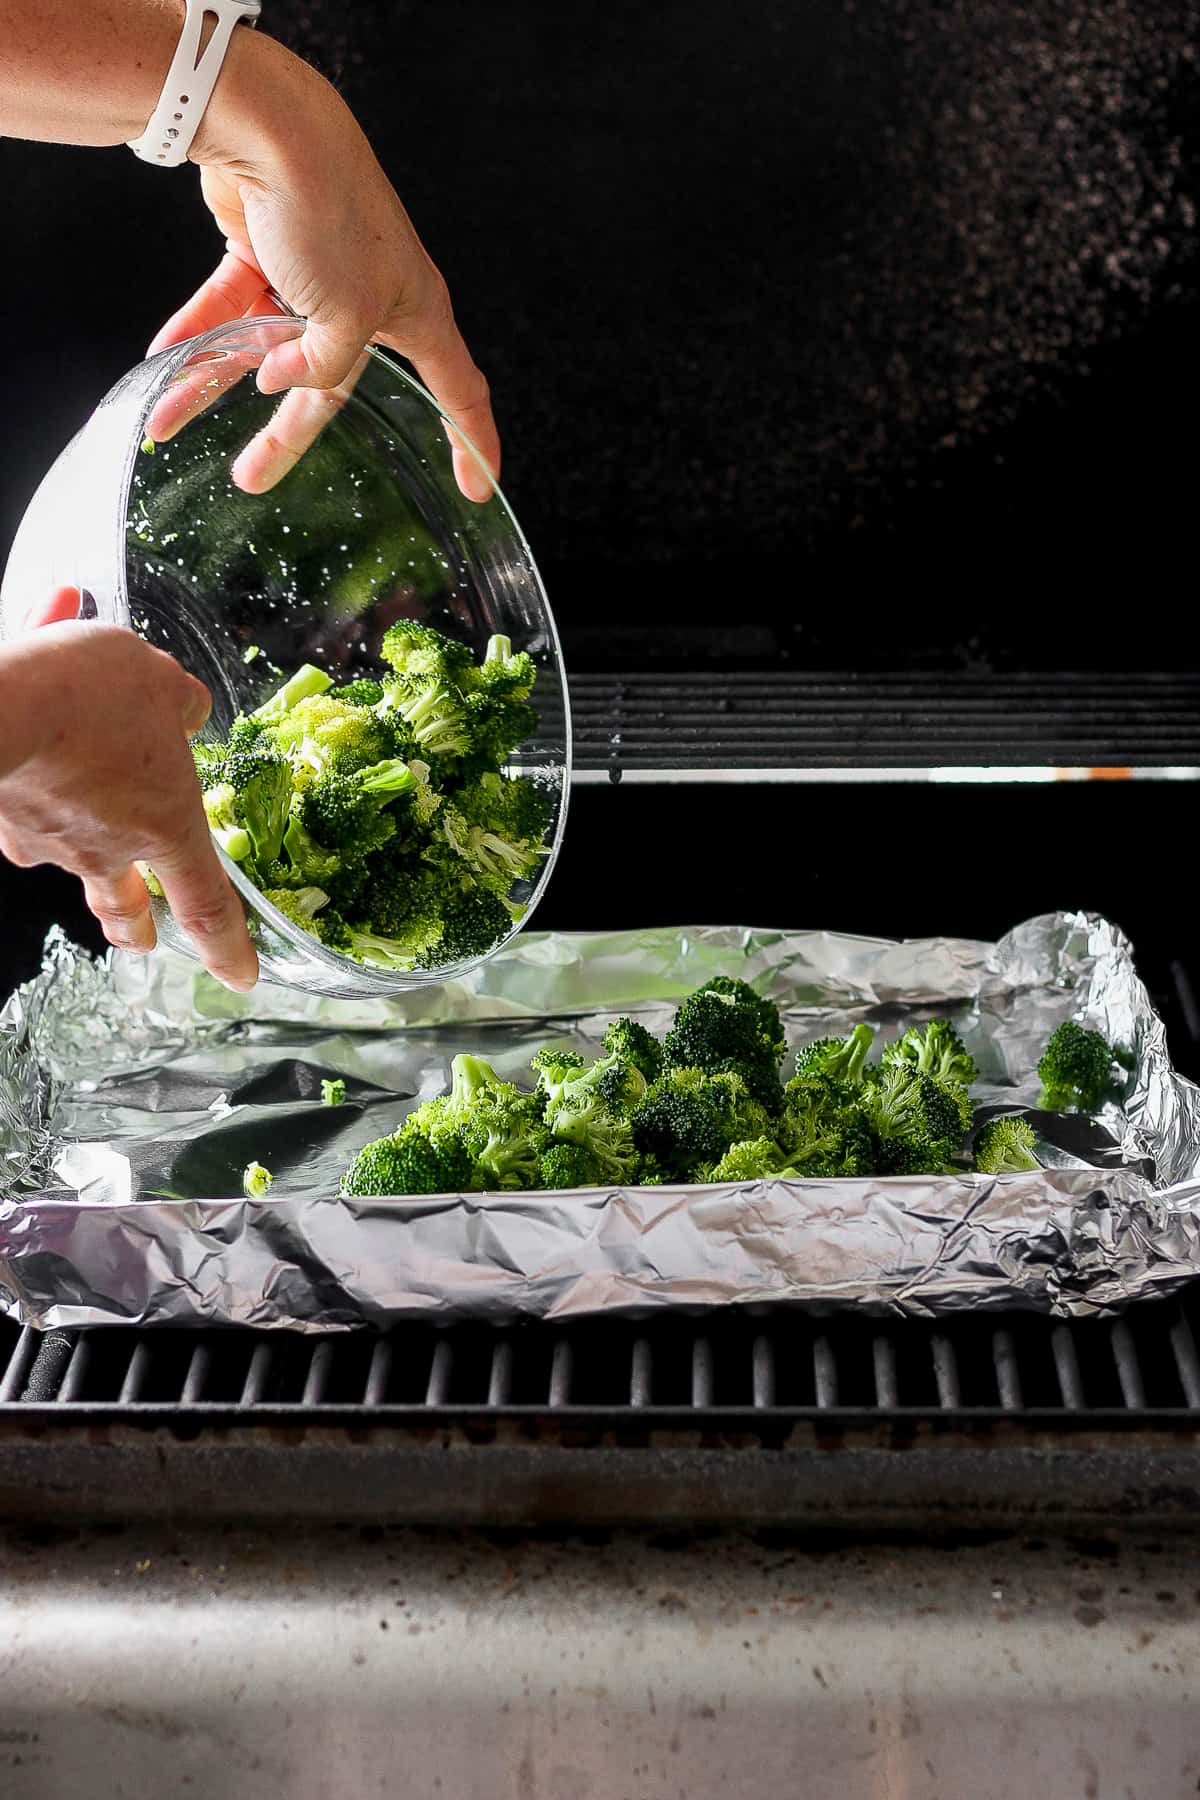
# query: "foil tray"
[[133, 1093]]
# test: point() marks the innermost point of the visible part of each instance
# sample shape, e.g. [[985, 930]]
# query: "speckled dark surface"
[[862, 331]]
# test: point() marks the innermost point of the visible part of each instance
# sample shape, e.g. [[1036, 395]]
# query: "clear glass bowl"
[[368, 526]]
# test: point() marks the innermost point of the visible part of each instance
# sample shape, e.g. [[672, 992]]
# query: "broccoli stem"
[[468, 1075], [234, 841], [499, 648], [304, 684]]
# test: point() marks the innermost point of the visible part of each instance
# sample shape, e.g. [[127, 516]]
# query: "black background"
[[856, 334]]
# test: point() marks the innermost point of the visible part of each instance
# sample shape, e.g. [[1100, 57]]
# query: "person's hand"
[[96, 776], [307, 211]]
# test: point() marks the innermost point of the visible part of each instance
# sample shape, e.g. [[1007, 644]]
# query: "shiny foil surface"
[[133, 1094]]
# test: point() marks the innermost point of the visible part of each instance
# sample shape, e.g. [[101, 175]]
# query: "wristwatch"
[[191, 79]]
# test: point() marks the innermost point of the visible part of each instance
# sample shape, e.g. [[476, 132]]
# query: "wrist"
[[261, 92]]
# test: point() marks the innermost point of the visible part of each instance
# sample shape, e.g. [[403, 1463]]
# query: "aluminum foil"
[[133, 1093]]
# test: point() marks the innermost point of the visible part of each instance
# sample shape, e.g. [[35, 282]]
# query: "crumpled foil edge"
[[1071, 1240]]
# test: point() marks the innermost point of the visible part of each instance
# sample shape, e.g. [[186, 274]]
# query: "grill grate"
[[1147, 1362], [784, 720]]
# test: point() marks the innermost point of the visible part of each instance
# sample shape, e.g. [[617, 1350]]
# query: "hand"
[[306, 210], [96, 775]]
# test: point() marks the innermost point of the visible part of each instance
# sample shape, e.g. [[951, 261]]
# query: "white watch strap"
[[191, 79]]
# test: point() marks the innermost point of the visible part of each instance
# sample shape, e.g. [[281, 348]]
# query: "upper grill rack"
[[1147, 1362], [788, 720]]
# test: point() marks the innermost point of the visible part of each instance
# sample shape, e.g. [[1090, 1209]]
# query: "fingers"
[[59, 607], [301, 418], [197, 705], [446, 367], [323, 358], [229, 293], [204, 905], [122, 905]]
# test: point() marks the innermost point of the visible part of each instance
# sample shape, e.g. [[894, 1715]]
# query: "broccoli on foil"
[[377, 814]]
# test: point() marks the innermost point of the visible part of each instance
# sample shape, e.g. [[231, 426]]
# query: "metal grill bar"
[[945, 1370], [1008, 1376], [824, 1373], [257, 1374], [1145, 1363], [1186, 1361], [780, 718], [1066, 1362], [1133, 1391], [702, 1373], [135, 1375]]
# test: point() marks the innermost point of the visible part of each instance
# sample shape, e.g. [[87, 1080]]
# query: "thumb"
[[197, 705]]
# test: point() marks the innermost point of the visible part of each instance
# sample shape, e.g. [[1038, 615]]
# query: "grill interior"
[[799, 722], [1146, 1362]]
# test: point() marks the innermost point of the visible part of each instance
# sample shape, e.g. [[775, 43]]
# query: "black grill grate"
[[1146, 1362], [791, 721]]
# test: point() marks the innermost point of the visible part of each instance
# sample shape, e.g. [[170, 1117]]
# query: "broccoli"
[[914, 1121], [767, 1013], [753, 1159], [715, 1031], [256, 1181], [838, 1059], [333, 1093], [414, 1160], [1076, 1069], [568, 1165], [631, 1041], [220, 809], [365, 692], [937, 1050], [590, 1106], [389, 797], [689, 1118], [418, 651], [306, 682], [1005, 1147]]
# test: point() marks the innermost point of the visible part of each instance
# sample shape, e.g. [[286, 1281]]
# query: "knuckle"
[[207, 919]]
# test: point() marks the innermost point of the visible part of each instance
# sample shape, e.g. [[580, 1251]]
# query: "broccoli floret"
[[324, 732], [307, 681], [311, 863], [1076, 1069], [501, 1125], [417, 650], [244, 734], [363, 692], [300, 905], [838, 1059], [504, 673], [473, 922], [256, 1181], [423, 1157], [915, 1121], [347, 811], [1005, 1147], [262, 783], [688, 1119], [935, 1050], [509, 805], [767, 1013], [220, 809], [754, 1159], [714, 1031], [590, 1104], [822, 1131], [333, 1093], [496, 862], [631, 1041], [493, 726], [433, 711], [567, 1165]]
